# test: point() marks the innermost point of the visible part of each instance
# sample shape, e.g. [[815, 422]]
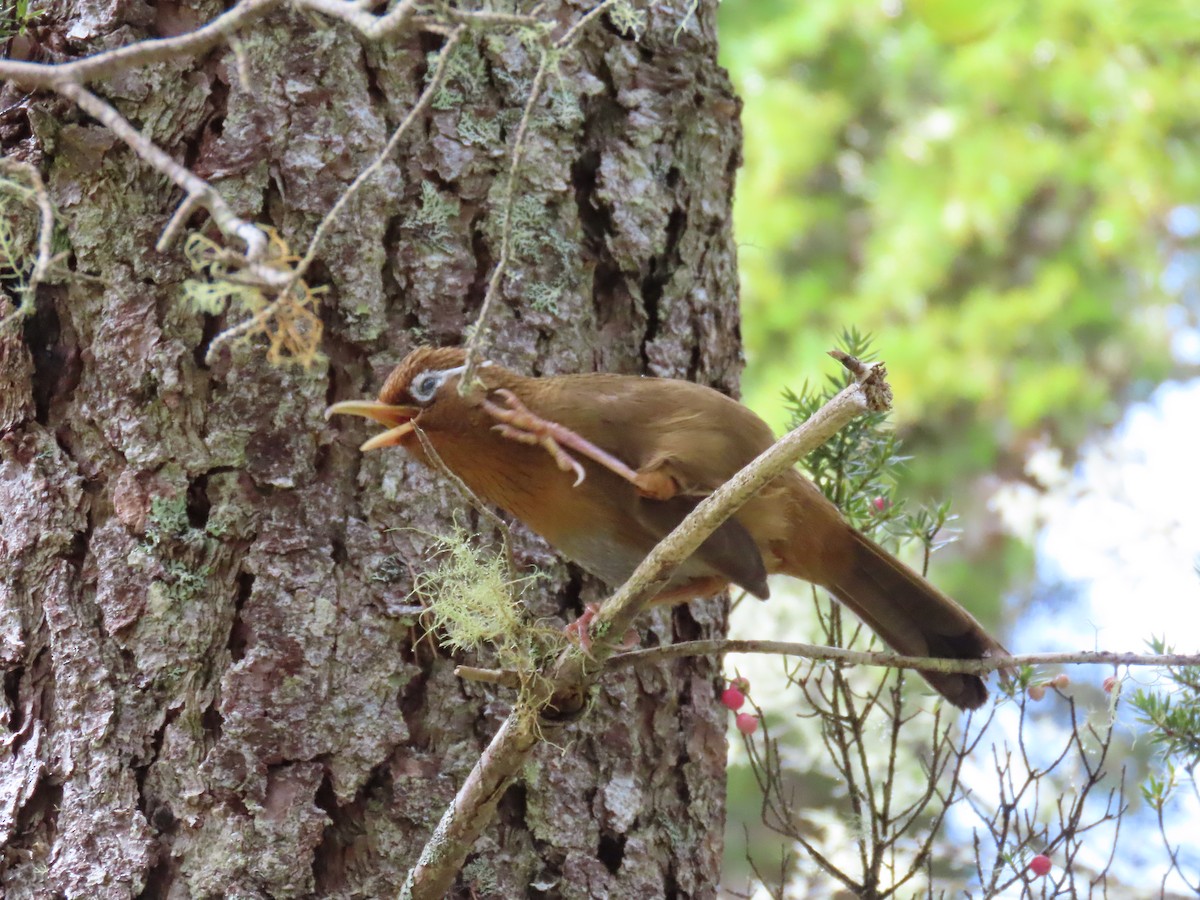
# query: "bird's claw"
[[580, 630], [519, 424]]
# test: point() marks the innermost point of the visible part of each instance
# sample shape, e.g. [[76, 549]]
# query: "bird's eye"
[[424, 386]]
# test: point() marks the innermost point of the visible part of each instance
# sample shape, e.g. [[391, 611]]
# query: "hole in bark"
[[670, 885], [37, 822], [238, 632], [198, 504], [156, 812], [611, 851], [346, 838], [160, 878], [345, 825], [483, 264], [218, 98], [593, 215], [12, 693], [212, 722], [43, 330], [209, 326]]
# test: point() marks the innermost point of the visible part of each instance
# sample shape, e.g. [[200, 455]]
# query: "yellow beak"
[[397, 418]]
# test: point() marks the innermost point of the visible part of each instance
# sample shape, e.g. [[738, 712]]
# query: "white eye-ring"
[[426, 384]]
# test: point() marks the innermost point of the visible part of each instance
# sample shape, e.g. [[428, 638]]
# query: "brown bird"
[[605, 466]]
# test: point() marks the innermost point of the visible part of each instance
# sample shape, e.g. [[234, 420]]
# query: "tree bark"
[[211, 689]]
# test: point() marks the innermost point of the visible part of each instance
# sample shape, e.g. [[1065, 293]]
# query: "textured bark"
[[208, 689]]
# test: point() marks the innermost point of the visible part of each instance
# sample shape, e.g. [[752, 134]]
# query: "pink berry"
[[1036, 692], [1040, 865], [733, 698], [1109, 683], [747, 723], [742, 684], [880, 504], [1061, 680]]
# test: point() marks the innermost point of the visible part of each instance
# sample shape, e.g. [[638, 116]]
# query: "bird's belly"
[[588, 523]]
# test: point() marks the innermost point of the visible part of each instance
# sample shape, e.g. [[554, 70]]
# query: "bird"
[[604, 466]]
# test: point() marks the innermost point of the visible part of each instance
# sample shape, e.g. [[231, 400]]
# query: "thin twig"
[[494, 283], [817, 652], [193, 185], [368, 25], [549, 55], [41, 265], [573, 33], [110, 62], [422, 104]]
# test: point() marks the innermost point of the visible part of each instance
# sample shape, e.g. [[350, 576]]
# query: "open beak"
[[398, 420]]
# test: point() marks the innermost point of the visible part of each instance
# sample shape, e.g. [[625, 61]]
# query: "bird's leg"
[[518, 423], [580, 629]]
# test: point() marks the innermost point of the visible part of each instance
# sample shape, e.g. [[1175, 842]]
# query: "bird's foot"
[[580, 630], [519, 423]]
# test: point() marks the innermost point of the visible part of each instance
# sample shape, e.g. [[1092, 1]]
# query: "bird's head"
[[411, 388]]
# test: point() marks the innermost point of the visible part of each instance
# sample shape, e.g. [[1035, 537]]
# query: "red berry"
[[1109, 683], [1036, 692], [733, 698], [880, 504], [1040, 865], [747, 723]]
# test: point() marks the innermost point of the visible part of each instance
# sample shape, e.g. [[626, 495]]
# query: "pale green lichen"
[[432, 218], [168, 518], [628, 19], [484, 132], [466, 78], [475, 602]]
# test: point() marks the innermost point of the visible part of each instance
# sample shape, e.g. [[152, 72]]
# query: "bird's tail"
[[912, 616]]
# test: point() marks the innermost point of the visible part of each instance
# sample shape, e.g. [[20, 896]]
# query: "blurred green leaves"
[[985, 193]]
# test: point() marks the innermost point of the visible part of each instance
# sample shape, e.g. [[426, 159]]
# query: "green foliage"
[[985, 193], [1172, 719], [466, 76], [16, 18], [858, 467], [18, 241], [287, 318], [627, 19]]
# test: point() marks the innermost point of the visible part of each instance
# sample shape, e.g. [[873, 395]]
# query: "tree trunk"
[[210, 687]]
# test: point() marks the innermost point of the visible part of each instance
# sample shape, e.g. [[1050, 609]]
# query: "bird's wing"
[[730, 550]]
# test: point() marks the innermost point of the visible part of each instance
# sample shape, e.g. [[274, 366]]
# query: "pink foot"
[[580, 630]]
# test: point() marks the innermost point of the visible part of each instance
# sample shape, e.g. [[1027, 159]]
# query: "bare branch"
[[53, 75], [195, 187], [367, 24], [817, 652]]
